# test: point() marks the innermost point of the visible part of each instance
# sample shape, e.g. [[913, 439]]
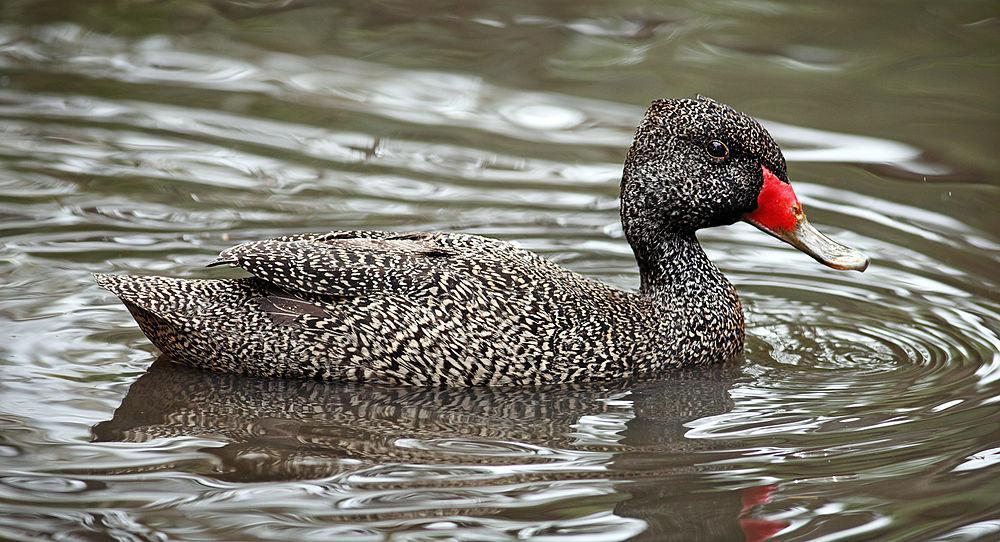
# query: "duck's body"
[[456, 309], [422, 308]]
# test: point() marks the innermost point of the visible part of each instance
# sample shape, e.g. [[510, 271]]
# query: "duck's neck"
[[673, 267], [703, 314]]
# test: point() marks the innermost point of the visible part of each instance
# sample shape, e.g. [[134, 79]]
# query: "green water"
[[145, 136]]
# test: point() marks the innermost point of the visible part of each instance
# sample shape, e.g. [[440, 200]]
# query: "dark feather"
[[283, 309], [221, 261]]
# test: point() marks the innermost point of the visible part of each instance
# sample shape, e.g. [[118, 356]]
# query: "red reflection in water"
[[758, 530]]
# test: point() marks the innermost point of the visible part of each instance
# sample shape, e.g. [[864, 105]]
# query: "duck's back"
[[415, 308]]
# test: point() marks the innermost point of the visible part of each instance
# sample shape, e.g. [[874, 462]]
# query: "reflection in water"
[[410, 448]]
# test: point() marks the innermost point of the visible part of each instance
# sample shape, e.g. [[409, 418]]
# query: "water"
[[145, 137]]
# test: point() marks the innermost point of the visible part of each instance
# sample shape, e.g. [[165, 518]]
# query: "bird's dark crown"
[[673, 184]]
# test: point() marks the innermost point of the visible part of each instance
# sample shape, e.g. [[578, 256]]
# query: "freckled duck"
[[456, 309]]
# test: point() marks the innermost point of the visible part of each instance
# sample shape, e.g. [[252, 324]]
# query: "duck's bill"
[[824, 250], [779, 213]]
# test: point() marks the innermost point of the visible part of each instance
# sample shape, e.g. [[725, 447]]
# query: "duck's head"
[[699, 163]]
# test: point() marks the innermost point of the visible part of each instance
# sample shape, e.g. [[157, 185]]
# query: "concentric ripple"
[[865, 406]]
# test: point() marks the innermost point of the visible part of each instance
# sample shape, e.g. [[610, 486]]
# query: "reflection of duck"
[[309, 425], [432, 308], [626, 437]]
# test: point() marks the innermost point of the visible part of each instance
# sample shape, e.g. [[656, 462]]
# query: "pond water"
[[145, 137]]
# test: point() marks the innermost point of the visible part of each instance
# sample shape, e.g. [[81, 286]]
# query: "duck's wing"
[[352, 263]]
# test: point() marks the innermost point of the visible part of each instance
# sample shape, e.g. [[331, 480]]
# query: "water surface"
[[146, 136]]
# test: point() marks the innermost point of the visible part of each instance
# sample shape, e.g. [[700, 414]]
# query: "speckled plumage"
[[457, 309]]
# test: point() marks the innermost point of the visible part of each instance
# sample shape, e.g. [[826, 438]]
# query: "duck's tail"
[[229, 325], [160, 305], [184, 318]]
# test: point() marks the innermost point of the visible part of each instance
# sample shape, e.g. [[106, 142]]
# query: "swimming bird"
[[434, 308]]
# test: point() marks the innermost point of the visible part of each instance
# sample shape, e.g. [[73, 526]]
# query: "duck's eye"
[[717, 149]]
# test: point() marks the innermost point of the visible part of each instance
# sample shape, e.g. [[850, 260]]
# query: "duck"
[[455, 309]]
